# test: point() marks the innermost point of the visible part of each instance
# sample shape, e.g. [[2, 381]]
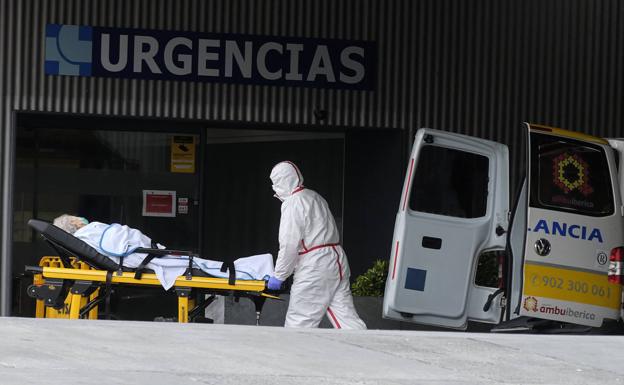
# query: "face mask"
[[279, 192], [276, 193], [84, 220]]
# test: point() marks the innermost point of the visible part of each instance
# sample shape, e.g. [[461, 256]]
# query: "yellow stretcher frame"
[[72, 301], [51, 268]]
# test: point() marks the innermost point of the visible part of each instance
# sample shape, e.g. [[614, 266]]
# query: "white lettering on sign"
[[321, 65], [142, 55], [185, 59], [243, 61], [353, 65], [205, 56], [80, 50], [293, 71], [122, 61]]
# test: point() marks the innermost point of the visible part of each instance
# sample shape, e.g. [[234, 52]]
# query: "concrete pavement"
[[55, 352]]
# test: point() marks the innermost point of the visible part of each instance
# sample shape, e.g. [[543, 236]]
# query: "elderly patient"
[[117, 241]]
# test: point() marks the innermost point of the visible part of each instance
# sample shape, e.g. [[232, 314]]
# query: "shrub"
[[371, 283]]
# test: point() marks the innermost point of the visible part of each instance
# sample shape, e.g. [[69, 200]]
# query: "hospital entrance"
[[109, 170], [241, 213]]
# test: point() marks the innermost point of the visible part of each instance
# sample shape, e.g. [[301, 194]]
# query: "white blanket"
[[116, 241]]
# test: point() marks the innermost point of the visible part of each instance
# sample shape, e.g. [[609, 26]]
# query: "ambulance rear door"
[[453, 207], [574, 220]]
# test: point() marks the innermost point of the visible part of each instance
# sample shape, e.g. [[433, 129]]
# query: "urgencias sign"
[[209, 57]]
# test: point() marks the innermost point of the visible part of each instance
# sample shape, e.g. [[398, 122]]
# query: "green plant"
[[371, 283]]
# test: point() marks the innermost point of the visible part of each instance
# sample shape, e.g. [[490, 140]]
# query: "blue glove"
[[274, 284]]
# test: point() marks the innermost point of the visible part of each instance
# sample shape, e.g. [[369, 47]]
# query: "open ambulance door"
[[574, 221], [453, 207]]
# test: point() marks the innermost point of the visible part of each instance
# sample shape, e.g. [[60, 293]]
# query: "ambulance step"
[[542, 326]]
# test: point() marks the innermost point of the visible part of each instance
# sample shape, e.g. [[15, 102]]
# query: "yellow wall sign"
[[571, 285], [183, 154]]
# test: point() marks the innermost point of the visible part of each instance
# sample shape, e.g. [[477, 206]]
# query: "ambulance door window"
[[451, 183], [573, 177], [488, 269]]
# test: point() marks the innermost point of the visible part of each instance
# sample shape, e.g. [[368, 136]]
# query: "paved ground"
[[51, 352]]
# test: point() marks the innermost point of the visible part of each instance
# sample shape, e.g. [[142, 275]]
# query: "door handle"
[[432, 243]]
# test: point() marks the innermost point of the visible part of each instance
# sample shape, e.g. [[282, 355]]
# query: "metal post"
[[7, 219]]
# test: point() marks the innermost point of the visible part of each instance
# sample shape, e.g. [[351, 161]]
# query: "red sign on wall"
[[159, 203]]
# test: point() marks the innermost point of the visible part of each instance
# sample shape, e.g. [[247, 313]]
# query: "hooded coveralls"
[[309, 247]]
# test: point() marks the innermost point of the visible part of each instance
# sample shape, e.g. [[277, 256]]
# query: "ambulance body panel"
[[567, 220], [574, 222]]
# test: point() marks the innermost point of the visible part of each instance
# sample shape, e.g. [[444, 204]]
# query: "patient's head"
[[70, 223]]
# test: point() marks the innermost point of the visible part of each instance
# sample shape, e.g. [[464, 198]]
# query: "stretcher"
[[78, 281]]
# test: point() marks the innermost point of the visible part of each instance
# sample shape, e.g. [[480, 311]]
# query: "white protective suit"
[[309, 247], [116, 241]]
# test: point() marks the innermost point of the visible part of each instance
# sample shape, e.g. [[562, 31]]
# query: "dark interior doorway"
[[241, 214], [375, 163], [97, 167]]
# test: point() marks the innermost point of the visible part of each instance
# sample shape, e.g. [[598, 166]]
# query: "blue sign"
[[68, 50], [208, 57]]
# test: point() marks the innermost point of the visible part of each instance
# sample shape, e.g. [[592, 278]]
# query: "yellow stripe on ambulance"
[[570, 285]]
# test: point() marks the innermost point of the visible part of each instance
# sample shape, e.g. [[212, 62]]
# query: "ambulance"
[[558, 246]]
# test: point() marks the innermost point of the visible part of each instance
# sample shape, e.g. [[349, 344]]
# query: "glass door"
[[105, 175]]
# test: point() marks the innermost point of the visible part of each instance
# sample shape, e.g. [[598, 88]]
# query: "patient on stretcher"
[[119, 242]]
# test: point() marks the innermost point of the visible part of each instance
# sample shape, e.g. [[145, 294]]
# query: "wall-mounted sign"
[[209, 57], [182, 205], [183, 154], [159, 203]]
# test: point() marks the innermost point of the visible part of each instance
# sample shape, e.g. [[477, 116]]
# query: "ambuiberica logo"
[[530, 304], [533, 305], [209, 57]]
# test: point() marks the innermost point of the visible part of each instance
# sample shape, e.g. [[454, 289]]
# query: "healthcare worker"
[[309, 247]]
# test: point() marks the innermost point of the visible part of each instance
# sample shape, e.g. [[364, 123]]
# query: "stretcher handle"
[[33, 269], [282, 290], [161, 252]]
